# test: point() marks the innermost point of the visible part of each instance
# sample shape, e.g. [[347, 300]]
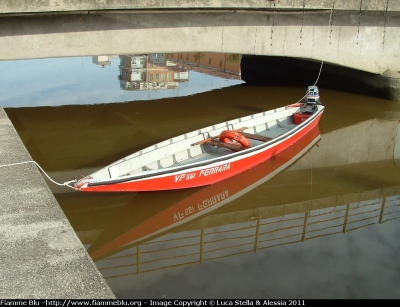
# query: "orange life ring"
[[233, 137]]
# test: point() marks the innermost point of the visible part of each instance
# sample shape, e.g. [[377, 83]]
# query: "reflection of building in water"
[[103, 60], [150, 71], [223, 65]]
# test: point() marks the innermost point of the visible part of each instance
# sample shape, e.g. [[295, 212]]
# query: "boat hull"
[[207, 174]]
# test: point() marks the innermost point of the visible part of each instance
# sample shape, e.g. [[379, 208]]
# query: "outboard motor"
[[310, 105], [312, 95]]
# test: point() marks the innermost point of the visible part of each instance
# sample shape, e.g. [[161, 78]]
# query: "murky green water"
[[320, 220]]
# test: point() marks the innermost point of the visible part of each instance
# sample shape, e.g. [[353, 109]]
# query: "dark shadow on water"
[[291, 72]]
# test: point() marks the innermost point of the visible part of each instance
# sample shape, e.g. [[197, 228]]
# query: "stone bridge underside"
[[360, 34]]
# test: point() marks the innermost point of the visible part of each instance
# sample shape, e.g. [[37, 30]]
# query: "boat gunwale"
[[159, 173]]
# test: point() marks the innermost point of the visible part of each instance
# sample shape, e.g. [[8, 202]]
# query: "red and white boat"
[[137, 223], [211, 154]]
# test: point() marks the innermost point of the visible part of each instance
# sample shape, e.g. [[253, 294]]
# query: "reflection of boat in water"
[[129, 229], [211, 154]]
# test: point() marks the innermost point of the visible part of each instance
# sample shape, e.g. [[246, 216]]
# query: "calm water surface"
[[320, 220]]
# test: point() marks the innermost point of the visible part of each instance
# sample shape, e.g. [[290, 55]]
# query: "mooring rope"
[[65, 184], [319, 74], [322, 62]]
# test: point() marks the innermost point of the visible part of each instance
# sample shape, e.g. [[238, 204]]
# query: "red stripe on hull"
[[207, 175]]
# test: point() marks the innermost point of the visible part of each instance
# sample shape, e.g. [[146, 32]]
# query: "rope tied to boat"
[[66, 183], [330, 25]]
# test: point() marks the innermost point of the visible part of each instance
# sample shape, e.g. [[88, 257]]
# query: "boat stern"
[[309, 107]]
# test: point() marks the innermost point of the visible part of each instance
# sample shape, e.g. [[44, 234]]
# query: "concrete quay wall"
[[40, 254]]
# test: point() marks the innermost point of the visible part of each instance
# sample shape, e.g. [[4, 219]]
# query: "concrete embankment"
[[40, 254]]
